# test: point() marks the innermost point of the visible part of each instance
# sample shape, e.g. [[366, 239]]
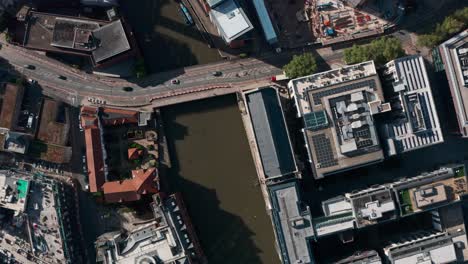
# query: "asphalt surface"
[[79, 86]]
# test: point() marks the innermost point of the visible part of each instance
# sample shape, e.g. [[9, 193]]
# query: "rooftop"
[[115, 116], [13, 192], [454, 54], [271, 133], [168, 239], [265, 20], [73, 33], [17, 142], [142, 182], [337, 108], [11, 96], [110, 40], [414, 122], [436, 248], [54, 126], [99, 40], [293, 223], [366, 257], [430, 190], [372, 205], [230, 20]]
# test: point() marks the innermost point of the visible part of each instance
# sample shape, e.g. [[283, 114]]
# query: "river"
[[213, 169]]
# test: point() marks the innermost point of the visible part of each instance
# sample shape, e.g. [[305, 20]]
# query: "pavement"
[[80, 86]]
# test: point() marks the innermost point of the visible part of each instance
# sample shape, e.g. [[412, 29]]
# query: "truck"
[[279, 77]]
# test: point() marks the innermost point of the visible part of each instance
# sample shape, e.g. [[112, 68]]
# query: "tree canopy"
[[442, 31], [301, 65], [379, 50]]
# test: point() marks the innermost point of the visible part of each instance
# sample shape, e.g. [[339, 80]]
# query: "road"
[[79, 86]]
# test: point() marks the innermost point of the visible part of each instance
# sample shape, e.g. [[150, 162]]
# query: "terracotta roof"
[[114, 116], [10, 103], [94, 159], [134, 153], [89, 110], [143, 182]]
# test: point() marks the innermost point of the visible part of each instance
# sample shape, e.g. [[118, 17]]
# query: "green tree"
[[450, 26], [301, 65], [380, 50]]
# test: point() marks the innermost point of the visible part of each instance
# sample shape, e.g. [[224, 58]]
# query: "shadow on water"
[[166, 42], [212, 168]]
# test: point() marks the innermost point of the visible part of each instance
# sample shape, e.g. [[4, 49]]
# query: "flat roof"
[[415, 123], [11, 96], [373, 205], [111, 40], [51, 131], [70, 33], [341, 134], [231, 20], [293, 224], [13, 192], [436, 248], [454, 54], [265, 21], [271, 132]]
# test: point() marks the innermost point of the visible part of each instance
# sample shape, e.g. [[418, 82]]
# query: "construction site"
[[332, 21]]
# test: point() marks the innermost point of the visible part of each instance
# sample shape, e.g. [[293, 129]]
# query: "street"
[[79, 86]]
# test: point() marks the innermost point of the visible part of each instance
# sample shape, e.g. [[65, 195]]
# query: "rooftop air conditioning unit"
[[318, 166]]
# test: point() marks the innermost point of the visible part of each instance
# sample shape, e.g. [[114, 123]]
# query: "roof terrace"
[[337, 108], [372, 205], [430, 190]]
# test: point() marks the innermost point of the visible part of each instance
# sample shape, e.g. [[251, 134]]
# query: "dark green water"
[[213, 168]]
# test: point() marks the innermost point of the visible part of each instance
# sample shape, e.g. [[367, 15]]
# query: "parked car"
[[175, 81], [62, 77], [29, 67], [217, 73]]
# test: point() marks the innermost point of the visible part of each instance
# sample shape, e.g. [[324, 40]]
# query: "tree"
[[356, 54], [379, 50], [450, 26], [300, 65]]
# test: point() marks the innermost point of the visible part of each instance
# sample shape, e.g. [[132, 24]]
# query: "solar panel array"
[[315, 120], [323, 151], [345, 88]]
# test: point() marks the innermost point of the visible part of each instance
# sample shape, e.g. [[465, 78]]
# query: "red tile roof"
[[115, 117], [94, 159], [143, 182], [134, 153]]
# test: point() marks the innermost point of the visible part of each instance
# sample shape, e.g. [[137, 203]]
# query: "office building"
[[230, 20], [454, 53], [337, 109], [271, 133], [169, 239], [293, 224], [103, 42], [414, 123]]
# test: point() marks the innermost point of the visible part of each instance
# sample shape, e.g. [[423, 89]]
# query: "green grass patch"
[[460, 172], [406, 202]]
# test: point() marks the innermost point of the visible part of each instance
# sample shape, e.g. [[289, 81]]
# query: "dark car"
[[30, 67], [62, 77], [175, 81], [217, 73], [127, 89]]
